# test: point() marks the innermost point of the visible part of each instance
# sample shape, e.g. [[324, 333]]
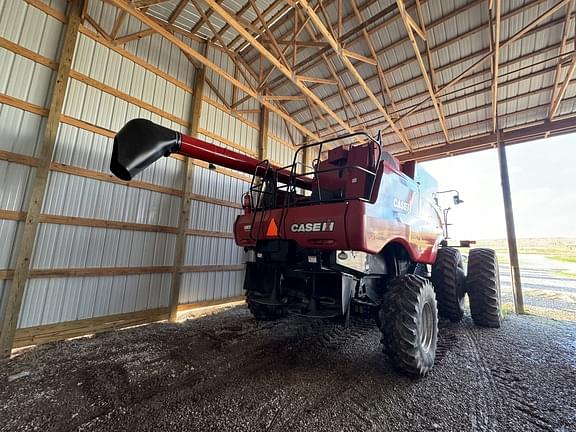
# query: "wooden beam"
[[117, 24], [392, 70], [360, 57], [69, 329], [130, 9], [277, 63], [565, 32], [317, 80], [133, 36], [521, 134], [147, 3], [409, 29], [384, 87], [496, 63], [337, 48], [26, 245], [510, 229], [184, 219], [285, 98], [560, 94], [263, 133], [177, 11]]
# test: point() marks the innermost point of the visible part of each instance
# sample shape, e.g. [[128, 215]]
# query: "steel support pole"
[[510, 230]]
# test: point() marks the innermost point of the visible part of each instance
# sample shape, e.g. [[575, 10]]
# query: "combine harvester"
[[356, 232]]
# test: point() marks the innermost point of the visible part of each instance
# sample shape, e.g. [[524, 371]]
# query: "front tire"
[[409, 324], [483, 286], [448, 281]]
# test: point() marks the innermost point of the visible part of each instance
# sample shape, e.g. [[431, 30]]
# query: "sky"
[[543, 184]]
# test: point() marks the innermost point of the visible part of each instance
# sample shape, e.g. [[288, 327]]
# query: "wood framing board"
[[54, 332], [26, 245], [185, 202]]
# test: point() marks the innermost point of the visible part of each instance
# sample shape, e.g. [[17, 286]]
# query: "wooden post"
[[510, 230], [180, 253], [263, 133], [26, 246]]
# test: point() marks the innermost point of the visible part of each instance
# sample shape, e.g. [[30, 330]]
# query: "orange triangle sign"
[[272, 230]]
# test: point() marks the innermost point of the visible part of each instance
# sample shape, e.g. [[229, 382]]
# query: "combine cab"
[[354, 232]]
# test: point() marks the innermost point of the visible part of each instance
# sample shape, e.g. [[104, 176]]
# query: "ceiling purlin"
[[445, 44], [558, 72], [232, 54], [384, 86], [272, 59], [355, 33], [344, 94], [266, 74], [351, 68], [412, 27], [414, 101]]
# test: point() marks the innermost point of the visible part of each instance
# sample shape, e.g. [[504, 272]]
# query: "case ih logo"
[[313, 227]]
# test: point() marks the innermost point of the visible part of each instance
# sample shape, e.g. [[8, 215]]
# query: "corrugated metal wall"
[[109, 85], [20, 130]]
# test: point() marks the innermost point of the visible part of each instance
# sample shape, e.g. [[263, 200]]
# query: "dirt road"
[[226, 372]]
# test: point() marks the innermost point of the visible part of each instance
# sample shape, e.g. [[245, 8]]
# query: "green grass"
[[565, 274], [563, 258]]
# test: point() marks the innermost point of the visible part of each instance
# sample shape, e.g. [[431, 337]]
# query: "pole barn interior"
[[84, 251]]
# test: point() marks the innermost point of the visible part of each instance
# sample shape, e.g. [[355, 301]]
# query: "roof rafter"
[[495, 7], [272, 59], [145, 19], [409, 25], [558, 72], [346, 61]]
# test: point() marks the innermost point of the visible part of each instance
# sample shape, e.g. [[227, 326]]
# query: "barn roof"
[[433, 75]]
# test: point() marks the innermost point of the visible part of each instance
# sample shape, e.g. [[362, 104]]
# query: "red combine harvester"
[[355, 232]]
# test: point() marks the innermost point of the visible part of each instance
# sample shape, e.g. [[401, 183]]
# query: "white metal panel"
[[201, 251], [65, 246], [71, 195], [205, 286], [48, 301], [20, 131], [217, 185], [212, 217], [30, 27], [10, 232], [15, 181], [228, 127]]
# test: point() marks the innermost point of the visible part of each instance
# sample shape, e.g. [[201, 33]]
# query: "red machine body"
[[396, 210]]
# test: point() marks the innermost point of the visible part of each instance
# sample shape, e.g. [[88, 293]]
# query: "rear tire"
[[483, 286], [264, 312], [409, 324], [448, 280]]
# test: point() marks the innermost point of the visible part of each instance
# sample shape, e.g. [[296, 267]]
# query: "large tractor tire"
[[409, 324], [448, 280], [483, 286], [264, 312]]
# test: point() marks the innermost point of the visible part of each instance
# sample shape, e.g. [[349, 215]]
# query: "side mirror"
[[457, 200]]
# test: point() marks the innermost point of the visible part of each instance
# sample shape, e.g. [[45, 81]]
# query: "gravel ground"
[[226, 372]]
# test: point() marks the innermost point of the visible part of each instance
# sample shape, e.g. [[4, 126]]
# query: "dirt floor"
[[226, 372]]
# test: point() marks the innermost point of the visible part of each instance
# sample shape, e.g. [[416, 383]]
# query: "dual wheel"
[[412, 303]]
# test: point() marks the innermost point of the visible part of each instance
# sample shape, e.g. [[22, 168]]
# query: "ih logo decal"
[[313, 227], [272, 230]]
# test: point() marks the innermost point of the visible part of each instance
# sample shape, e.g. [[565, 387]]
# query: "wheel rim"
[[427, 333]]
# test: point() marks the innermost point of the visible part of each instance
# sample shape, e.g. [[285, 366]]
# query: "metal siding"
[[48, 301], [51, 300], [204, 286]]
